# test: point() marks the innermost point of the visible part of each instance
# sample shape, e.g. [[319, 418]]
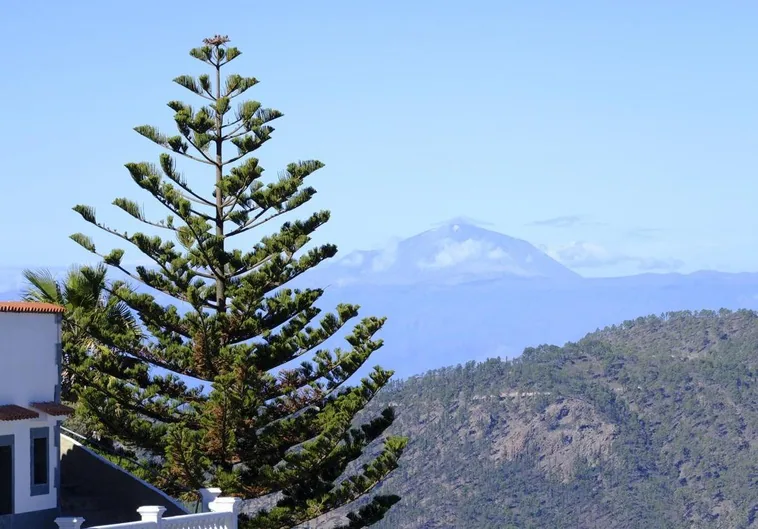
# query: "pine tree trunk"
[[220, 279]]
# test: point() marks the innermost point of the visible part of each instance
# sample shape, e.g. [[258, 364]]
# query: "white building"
[[30, 413]]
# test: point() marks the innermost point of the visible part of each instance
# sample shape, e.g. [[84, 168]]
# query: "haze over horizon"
[[458, 250], [438, 285]]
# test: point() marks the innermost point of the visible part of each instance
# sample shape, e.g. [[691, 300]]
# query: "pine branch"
[[106, 419], [129, 404], [168, 166], [188, 82], [139, 241], [242, 271], [188, 464], [132, 209], [174, 143], [239, 126], [234, 135], [201, 151], [143, 353], [284, 195], [148, 179], [252, 224], [320, 459]]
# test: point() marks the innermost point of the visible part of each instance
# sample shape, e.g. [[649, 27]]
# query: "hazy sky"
[[622, 136]]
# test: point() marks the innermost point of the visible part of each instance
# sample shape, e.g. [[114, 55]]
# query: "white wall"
[[28, 373], [23, 500], [28, 349]]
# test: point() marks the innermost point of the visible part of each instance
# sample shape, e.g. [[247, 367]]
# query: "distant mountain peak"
[[455, 251]]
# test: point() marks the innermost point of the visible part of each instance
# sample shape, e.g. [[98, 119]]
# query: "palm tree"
[[89, 306]]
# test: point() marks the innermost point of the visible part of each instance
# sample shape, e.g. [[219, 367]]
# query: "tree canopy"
[[213, 394]]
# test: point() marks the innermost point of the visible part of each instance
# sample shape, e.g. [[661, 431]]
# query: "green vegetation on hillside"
[[652, 424]]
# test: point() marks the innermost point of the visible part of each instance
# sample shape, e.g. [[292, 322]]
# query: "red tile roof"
[[11, 412], [52, 408], [30, 307]]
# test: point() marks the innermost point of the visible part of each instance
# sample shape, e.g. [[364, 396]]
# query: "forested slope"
[[648, 424]]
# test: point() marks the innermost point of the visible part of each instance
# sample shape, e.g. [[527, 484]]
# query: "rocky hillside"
[[649, 424]]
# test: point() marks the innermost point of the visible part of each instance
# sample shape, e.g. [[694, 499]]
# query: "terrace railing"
[[222, 513]]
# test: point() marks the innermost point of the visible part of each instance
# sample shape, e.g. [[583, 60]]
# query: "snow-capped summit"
[[456, 251]]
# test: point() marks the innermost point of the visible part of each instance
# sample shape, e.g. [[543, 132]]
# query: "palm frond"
[[42, 287], [85, 286]]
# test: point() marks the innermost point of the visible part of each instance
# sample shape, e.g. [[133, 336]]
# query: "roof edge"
[[30, 307]]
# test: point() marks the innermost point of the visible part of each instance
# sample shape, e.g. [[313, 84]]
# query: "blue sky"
[[620, 136]]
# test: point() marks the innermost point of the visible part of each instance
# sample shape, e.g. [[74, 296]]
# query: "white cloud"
[[581, 254], [352, 260], [496, 254], [386, 258], [452, 253]]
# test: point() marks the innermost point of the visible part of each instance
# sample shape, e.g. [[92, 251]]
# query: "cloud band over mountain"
[[583, 254]]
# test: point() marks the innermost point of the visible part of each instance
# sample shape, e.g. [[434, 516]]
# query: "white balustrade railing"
[[206, 520], [223, 513]]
